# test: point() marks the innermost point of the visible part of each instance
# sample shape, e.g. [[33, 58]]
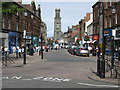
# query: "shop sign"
[[108, 32], [13, 34], [28, 37], [95, 37]]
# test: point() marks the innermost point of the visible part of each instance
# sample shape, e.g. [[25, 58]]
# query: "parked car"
[[74, 50], [83, 52], [70, 48], [66, 46]]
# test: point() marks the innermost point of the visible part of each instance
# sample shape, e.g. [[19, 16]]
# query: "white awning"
[[94, 41]]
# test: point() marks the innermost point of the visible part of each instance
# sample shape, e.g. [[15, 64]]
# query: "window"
[[16, 26], [106, 22], [3, 23], [9, 26], [110, 3], [106, 5], [116, 19], [110, 22]]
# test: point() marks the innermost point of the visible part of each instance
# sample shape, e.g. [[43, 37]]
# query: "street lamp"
[[112, 37], [24, 37], [41, 37], [31, 28]]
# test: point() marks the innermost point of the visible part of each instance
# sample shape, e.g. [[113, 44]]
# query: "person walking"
[[19, 52], [31, 50], [22, 51]]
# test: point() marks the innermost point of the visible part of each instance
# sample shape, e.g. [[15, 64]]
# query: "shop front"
[[13, 40], [4, 39], [116, 34], [35, 41]]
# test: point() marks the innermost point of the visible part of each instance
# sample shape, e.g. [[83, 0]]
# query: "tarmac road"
[[59, 70]]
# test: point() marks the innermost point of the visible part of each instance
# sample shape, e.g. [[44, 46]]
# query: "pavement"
[[29, 60], [107, 79]]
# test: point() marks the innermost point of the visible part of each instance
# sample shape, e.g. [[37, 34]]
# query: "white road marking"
[[86, 84], [52, 79], [16, 77], [26, 79], [37, 78], [5, 78]]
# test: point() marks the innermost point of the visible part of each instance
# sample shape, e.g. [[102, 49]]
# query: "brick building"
[[111, 19], [69, 35], [13, 25]]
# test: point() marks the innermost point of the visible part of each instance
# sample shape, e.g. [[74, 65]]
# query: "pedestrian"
[[6, 51], [14, 50], [22, 51], [116, 52], [19, 52], [17, 48], [31, 50]]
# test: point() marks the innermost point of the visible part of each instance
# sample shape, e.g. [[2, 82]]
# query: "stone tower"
[[57, 25]]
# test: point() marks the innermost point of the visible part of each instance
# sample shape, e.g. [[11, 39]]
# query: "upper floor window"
[[106, 6], [110, 3], [3, 22], [110, 22], [17, 26], [106, 22], [9, 24], [116, 19]]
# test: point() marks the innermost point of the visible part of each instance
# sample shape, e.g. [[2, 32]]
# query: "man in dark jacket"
[[31, 50]]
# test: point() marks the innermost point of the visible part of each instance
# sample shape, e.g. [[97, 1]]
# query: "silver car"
[[83, 52]]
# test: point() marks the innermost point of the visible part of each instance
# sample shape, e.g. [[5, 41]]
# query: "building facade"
[[111, 20], [44, 31], [13, 25]]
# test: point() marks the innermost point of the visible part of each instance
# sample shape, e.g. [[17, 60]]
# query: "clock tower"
[[57, 25]]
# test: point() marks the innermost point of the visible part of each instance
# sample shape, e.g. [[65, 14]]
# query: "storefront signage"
[[95, 37], [108, 32], [28, 37], [13, 34]]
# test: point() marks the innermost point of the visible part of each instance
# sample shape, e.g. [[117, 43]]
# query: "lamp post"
[[31, 28], [24, 36], [101, 60], [41, 37], [112, 37]]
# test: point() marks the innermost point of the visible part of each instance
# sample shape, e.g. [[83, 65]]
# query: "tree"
[[10, 8]]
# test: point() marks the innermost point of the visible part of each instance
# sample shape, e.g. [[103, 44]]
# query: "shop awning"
[[93, 41]]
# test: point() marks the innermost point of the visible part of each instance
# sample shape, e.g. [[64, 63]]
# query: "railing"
[[112, 70], [8, 58]]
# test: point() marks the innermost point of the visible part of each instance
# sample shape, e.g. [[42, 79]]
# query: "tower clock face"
[[57, 26]]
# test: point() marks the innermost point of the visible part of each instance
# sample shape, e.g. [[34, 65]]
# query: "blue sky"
[[71, 13]]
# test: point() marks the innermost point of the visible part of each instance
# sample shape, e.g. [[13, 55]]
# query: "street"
[[59, 70]]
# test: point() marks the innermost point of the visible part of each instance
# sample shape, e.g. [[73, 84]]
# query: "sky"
[[71, 13]]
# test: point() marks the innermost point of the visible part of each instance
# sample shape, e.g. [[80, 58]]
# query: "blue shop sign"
[[28, 37], [108, 32], [13, 34]]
